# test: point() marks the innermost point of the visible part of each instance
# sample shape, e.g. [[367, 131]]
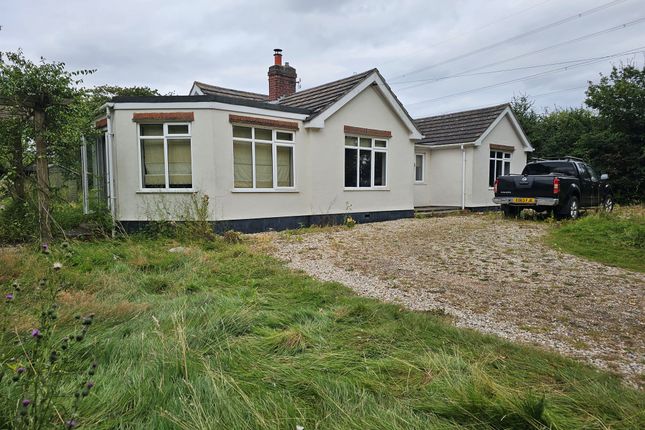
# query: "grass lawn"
[[617, 239], [222, 337]]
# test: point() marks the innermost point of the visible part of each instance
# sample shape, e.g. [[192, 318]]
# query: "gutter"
[[448, 146]]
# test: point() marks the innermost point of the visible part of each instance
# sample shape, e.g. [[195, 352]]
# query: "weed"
[[232, 237], [43, 378]]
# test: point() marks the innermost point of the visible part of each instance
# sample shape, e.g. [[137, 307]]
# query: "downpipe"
[[463, 177]]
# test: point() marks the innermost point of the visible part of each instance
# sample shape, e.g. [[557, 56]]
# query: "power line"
[[530, 96], [557, 45], [557, 91], [537, 66], [518, 36], [528, 77], [462, 34]]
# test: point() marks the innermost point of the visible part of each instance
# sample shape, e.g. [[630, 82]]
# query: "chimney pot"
[[277, 57]]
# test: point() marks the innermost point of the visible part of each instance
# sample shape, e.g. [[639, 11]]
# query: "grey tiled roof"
[[458, 127], [319, 98], [212, 90], [311, 101]]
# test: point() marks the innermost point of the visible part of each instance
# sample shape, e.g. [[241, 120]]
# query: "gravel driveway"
[[491, 274]]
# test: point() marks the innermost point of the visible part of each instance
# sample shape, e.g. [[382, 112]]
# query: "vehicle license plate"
[[526, 200]]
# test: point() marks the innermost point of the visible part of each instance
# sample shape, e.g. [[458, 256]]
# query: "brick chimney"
[[282, 79]]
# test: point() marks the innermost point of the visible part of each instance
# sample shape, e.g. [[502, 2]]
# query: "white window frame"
[[166, 136], [275, 143], [496, 159], [374, 150], [423, 168]]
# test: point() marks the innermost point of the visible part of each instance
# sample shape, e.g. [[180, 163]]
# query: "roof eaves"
[[209, 98]]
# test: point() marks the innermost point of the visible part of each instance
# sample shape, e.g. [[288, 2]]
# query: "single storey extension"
[[462, 153], [279, 160]]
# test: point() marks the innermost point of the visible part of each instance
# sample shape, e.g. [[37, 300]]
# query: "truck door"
[[586, 186], [596, 198]]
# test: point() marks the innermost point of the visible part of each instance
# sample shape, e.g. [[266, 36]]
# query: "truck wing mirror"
[[604, 177]]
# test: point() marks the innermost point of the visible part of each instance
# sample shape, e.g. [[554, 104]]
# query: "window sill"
[[420, 183], [166, 191], [366, 189], [265, 190]]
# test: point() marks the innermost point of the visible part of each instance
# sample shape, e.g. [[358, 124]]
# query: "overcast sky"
[[169, 44]]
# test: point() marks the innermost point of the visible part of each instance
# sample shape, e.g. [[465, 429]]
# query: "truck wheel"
[[510, 211], [608, 203], [573, 208]]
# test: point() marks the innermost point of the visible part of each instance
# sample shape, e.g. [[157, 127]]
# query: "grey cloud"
[[167, 44]]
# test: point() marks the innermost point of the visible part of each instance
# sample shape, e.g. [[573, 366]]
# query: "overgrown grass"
[[617, 239], [221, 337], [19, 221]]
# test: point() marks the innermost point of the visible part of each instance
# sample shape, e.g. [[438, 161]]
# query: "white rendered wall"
[[319, 168]]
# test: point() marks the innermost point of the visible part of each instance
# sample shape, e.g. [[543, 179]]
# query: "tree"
[[610, 135], [619, 100], [12, 152], [42, 92], [522, 107]]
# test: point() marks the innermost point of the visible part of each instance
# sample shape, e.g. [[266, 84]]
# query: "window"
[[365, 162], [166, 155], [549, 168], [419, 164], [586, 172], [262, 158], [500, 164], [592, 173]]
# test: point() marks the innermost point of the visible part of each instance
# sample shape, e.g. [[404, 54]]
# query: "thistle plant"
[[42, 380]]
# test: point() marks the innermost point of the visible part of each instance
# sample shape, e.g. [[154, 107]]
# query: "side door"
[[586, 186]]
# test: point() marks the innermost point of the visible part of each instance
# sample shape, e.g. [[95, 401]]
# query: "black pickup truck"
[[561, 187]]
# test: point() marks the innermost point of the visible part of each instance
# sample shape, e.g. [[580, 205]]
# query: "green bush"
[[18, 222]]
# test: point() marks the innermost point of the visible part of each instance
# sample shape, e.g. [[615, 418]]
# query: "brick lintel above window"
[[506, 148], [263, 122], [101, 123], [367, 132], [163, 116]]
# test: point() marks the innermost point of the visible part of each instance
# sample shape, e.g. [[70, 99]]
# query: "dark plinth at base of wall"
[[257, 225]]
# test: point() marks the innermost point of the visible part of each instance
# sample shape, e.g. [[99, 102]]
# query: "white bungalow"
[[281, 160]]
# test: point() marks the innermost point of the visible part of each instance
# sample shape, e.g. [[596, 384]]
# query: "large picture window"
[[262, 158], [365, 162], [166, 160], [500, 164]]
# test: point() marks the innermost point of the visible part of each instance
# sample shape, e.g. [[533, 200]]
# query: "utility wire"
[[530, 96], [462, 34], [523, 78], [557, 91], [536, 66], [518, 36], [557, 45]]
